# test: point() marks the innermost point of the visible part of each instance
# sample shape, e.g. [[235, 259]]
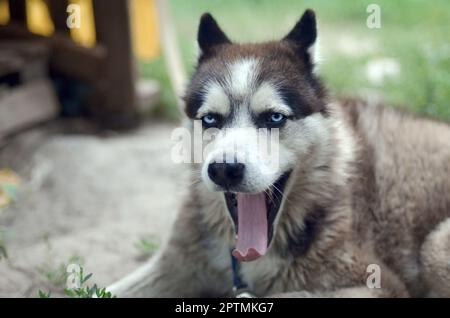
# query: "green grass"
[[147, 245], [3, 251], [415, 33], [83, 291], [57, 275]]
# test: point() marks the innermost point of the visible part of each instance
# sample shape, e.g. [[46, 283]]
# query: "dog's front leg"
[[192, 264], [172, 274]]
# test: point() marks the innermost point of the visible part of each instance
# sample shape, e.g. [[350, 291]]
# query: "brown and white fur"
[[369, 185]]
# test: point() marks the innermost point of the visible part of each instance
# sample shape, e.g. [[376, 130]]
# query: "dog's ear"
[[303, 36], [209, 34]]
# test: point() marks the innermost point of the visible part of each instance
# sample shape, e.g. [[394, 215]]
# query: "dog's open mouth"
[[253, 216]]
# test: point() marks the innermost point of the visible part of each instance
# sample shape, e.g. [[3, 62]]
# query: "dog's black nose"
[[226, 174]]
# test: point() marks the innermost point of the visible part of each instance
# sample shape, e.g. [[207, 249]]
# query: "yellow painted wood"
[[38, 18], [144, 26], [85, 35], [4, 12]]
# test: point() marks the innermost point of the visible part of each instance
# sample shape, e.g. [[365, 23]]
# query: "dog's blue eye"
[[276, 118], [210, 120]]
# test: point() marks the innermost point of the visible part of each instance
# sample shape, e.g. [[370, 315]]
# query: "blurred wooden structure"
[[34, 100], [104, 61], [144, 18]]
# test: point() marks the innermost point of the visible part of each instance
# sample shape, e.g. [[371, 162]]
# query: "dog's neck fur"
[[321, 193]]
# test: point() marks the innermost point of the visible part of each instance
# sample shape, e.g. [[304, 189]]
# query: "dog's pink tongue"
[[252, 227]]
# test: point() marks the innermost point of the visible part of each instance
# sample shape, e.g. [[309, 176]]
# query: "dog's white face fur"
[[242, 83], [239, 99]]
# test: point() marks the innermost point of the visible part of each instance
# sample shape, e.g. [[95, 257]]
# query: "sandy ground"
[[88, 196]]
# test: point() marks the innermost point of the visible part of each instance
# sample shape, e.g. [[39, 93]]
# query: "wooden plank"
[[112, 24], [24, 57], [27, 104], [58, 12], [67, 57], [17, 11], [76, 61]]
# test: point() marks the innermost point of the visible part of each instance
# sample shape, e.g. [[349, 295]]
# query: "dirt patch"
[[86, 196]]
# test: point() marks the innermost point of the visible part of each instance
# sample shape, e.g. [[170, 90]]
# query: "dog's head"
[[243, 93]]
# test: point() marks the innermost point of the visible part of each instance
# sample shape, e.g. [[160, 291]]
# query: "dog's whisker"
[[272, 195], [269, 194], [281, 193], [276, 188]]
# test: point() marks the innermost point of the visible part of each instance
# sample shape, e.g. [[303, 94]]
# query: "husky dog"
[[357, 206]]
